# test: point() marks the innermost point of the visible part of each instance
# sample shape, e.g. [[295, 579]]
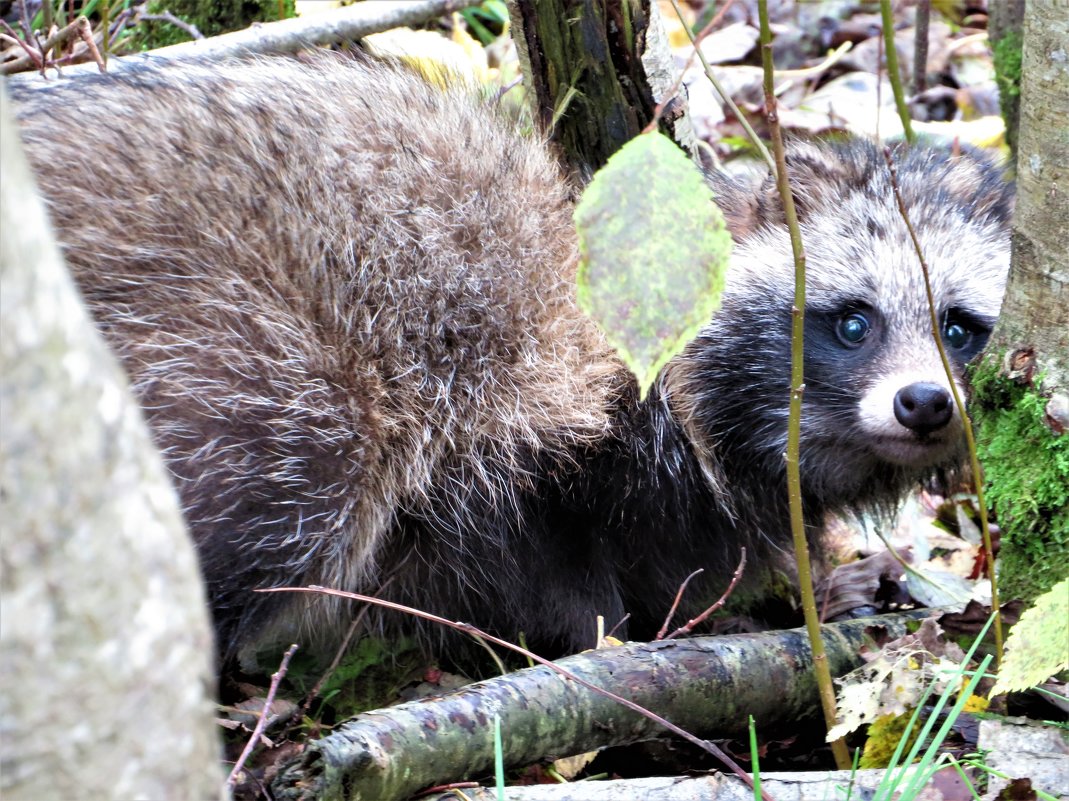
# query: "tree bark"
[[707, 685], [595, 72], [1036, 309], [105, 642], [1022, 388]]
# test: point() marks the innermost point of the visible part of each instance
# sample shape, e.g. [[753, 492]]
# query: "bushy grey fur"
[[345, 299]]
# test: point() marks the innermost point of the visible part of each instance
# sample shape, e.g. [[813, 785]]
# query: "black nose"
[[923, 407]]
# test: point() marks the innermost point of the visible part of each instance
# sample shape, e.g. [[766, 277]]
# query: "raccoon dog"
[[345, 301]]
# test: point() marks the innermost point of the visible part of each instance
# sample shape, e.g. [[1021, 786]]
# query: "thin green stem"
[[794, 420], [893, 73], [105, 31]]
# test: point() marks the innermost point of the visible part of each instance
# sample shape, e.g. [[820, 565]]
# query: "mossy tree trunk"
[[595, 71], [1022, 388], [1004, 28]]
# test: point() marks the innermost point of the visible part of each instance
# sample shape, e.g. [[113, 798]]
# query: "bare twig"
[[105, 35], [688, 627], [985, 530], [38, 60], [168, 17], [817, 69], [894, 75], [619, 623], [920, 46], [85, 30], [467, 628], [294, 35], [34, 57], [46, 16], [759, 146], [24, 19], [261, 724], [454, 788], [807, 72], [118, 26], [879, 85], [821, 671], [338, 654], [675, 603], [342, 648]]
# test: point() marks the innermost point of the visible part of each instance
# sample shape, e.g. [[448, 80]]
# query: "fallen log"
[[706, 685]]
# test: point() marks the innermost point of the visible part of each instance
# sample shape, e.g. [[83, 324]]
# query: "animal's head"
[[878, 410]]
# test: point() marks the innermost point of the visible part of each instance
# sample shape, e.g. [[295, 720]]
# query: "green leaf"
[[1038, 646], [496, 10], [653, 252]]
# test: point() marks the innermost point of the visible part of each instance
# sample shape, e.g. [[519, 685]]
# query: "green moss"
[[884, 735], [766, 594], [368, 676], [1026, 471], [1007, 55]]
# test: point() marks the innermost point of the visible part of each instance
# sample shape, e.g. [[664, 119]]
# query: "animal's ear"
[[820, 176], [740, 200], [979, 186], [748, 201]]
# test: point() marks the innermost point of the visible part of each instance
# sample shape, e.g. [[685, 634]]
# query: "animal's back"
[[345, 299]]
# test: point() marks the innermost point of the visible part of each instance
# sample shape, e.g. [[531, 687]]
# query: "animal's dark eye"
[[956, 335], [853, 328]]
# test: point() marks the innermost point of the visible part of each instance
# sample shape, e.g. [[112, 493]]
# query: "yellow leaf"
[[436, 57], [975, 703]]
